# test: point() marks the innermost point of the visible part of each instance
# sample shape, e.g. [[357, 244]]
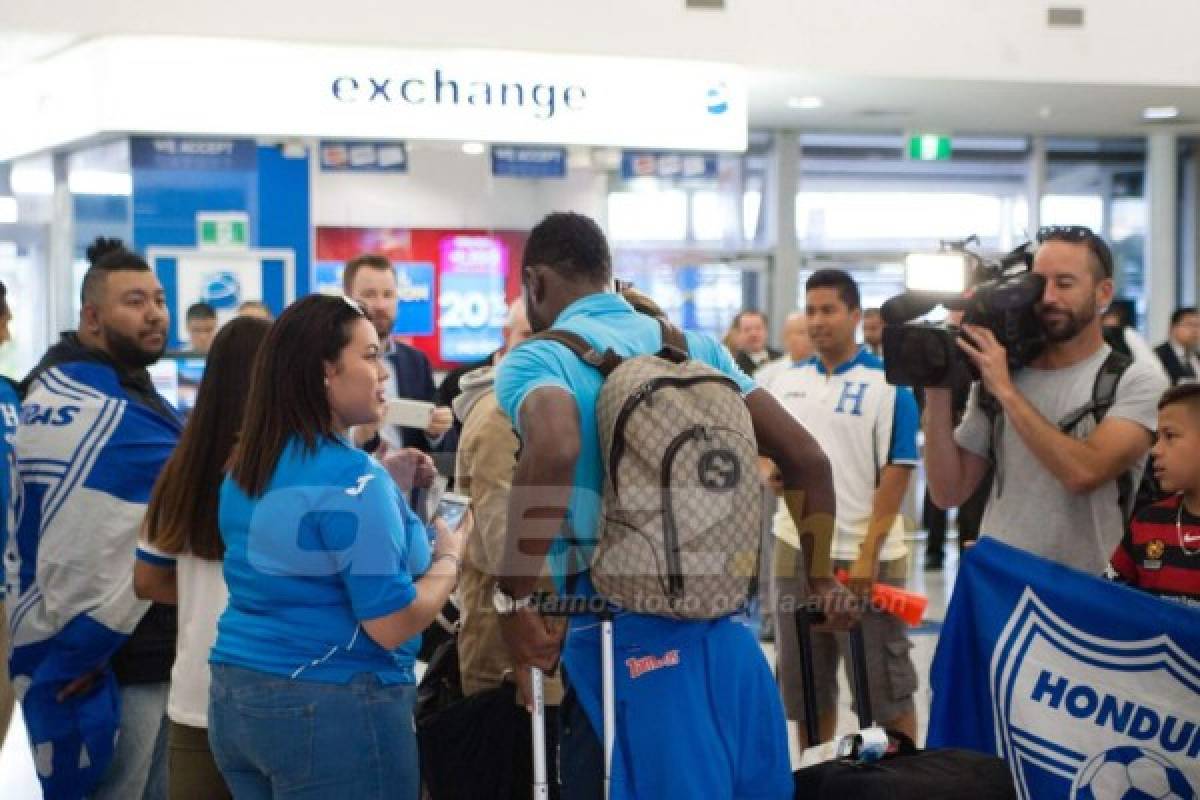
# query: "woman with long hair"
[[331, 576], [179, 557]]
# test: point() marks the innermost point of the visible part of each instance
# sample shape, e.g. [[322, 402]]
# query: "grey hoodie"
[[474, 385]]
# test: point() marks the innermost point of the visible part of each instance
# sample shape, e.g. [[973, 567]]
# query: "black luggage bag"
[[904, 773]]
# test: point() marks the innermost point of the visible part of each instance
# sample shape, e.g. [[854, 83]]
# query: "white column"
[[60, 280], [1035, 184], [1189, 255], [783, 183], [1162, 213]]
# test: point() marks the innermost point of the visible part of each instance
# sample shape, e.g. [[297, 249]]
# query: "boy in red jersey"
[[1160, 551]]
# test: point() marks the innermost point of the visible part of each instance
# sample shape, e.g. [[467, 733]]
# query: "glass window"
[[708, 222], [899, 219], [751, 208], [648, 216], [1073, 209]]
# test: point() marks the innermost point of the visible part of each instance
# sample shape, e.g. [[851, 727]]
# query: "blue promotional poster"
[[471, 298], [414, 298], [518, 161], [1088, 689]]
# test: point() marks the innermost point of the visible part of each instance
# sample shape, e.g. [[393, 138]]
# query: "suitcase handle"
[[805, 618], [541, 785]]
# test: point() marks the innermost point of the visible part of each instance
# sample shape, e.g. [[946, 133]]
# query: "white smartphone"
[[452, 508], [408, 413]]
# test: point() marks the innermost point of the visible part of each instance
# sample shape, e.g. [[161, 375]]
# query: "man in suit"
[[1178, 353], [751, 329], [371, 280]]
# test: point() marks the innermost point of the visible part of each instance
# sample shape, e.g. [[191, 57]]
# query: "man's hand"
[[990, 358], [443, 418], [770, 475], [841, 608], [409, 468], [863, 574], [532, 640]]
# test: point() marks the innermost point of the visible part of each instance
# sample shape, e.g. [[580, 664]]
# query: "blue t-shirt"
[[721, 733], [330, 543], [10, 417]]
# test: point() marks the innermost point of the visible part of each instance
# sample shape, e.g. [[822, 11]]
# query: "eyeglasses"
[[1079, 234]]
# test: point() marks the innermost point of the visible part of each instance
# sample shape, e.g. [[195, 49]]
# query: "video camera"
[[999, 295]]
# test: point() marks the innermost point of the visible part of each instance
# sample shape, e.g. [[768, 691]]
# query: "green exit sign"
[[222, 230], [929, 147]]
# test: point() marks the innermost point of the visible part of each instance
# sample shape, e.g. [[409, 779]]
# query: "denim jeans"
[[276, 737], [139, 765]]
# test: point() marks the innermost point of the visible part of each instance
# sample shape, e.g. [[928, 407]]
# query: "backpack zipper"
[[643, 393], [670, 534]]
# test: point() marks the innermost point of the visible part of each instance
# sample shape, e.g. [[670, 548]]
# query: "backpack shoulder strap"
[[674, 343], [1104, 391], [604, 362]]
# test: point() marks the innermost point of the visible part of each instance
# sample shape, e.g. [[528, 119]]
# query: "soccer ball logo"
[[1131, 773]]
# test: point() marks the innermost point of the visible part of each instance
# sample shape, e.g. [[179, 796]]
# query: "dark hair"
[[1178, 314], [1102, 257], [838, 279], [749, 312], [105, 256], [1185, 393], [572, 245], [368, 260], [182, 515], [287, 396], [3, 299], [200, 310]]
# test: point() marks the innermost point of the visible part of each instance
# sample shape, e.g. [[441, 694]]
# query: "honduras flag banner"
[[1090, 690]]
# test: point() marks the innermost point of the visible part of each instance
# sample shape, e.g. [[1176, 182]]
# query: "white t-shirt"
[[202, 599], [863, 424]]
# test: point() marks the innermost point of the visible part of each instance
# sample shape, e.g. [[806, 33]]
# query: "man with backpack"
[[637, 474], [1068, 434]]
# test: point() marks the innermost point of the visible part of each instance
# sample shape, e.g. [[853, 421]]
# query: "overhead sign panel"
[[259, 88]]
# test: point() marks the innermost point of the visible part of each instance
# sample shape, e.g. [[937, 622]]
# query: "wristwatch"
[[506, 604]]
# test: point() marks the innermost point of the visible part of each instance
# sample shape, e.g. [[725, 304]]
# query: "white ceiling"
[[962, 106]]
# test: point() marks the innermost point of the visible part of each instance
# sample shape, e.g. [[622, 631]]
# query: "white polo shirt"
[[863, 424]]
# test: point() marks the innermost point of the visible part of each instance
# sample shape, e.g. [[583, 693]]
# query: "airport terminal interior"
[[745, 161]]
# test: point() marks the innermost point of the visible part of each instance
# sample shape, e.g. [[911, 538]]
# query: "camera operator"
[[1055, 492]]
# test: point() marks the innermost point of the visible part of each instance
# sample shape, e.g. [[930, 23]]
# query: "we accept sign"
[[1087, 689]]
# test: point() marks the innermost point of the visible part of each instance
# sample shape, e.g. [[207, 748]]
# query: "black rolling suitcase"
[[904, 772]]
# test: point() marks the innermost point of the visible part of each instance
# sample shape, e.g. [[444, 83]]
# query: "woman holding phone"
[[331, 576]]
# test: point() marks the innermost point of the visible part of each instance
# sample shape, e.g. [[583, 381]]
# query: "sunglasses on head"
[[1079, 234]]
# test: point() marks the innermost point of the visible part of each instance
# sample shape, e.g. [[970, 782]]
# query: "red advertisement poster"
[[455, 285]]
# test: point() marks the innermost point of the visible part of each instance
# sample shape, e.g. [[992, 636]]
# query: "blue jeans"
[[139, 765], [274, 737]]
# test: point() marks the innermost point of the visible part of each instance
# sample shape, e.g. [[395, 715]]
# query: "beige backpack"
[[682, 499]]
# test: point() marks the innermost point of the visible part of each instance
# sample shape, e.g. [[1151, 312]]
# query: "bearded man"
[[1058, 465]]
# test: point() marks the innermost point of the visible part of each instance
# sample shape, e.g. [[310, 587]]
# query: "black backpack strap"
[[991, 409], [675, 347], [605, 362], [1104, 391]]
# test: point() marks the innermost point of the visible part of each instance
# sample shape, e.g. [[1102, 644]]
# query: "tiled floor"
[[19, 782]]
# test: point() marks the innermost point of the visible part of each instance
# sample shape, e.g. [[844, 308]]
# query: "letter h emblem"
[[853, 393]]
